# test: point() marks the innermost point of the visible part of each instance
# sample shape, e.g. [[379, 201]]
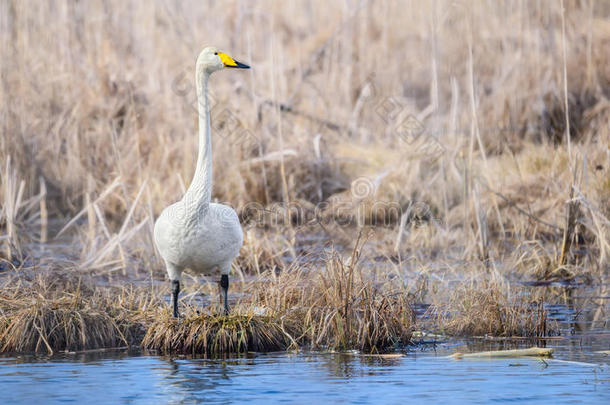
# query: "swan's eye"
[[215, 53]]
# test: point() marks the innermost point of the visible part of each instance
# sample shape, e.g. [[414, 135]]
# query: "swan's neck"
[[197, 197]]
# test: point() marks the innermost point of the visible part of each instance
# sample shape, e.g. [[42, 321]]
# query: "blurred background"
[[452, 131]]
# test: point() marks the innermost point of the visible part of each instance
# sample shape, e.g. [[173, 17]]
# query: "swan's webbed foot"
[[224, 292], [175, 292]]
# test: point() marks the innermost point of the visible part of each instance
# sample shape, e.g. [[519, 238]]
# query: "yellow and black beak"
[[230, 62]]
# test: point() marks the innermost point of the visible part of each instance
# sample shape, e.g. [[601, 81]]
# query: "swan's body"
[[194, 233], [203, 246]]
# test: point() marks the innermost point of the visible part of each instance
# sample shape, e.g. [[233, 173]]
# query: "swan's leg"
[[174, 273], [224, 292], [175, 292]]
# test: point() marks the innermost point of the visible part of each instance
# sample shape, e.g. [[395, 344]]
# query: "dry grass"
[[343, 308], [489, 309], [53, 312], [312, 145], [214, 334], [346, 306], [69, 322], [64, 324], [104, 134], [348, 309]]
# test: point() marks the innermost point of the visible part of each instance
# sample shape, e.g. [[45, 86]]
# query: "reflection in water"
[[348, 365], [422, 375], [199, 376]]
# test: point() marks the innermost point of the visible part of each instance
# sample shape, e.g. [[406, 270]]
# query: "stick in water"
[[532, 351]]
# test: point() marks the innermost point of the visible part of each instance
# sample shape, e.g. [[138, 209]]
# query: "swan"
[[195, 233]]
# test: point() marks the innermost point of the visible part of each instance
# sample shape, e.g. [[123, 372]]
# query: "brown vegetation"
[[490, 309], [216, 334], [343, 308], [469, 138]]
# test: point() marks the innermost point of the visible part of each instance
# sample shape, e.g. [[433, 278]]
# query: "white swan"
[[195, 233]]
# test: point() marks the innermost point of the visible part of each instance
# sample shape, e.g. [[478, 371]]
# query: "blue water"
[[308, 378]]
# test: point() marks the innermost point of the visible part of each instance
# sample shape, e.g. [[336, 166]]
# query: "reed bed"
[[470, 138], [345, 307], [502, 174]]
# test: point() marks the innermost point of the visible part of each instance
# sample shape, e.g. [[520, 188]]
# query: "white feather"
[[194, 233]]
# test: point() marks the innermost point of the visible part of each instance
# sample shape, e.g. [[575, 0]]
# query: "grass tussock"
[[349, 309], [69, 323], [488, 309], [56, 313], [342, 307], [345, 306], [214, 334]]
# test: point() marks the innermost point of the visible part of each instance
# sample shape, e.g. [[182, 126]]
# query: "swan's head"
[[211, 59]]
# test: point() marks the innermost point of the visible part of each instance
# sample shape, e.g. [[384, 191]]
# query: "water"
[[423, 374], [577, 374]]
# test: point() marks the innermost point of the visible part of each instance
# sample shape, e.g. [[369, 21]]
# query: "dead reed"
[[342, 306], [54, 313], [486, 308], [493, 171], [69, 323], [347, 308], [473, 146]]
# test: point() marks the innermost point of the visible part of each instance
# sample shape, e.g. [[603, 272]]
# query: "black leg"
[[224, 294], [175, 292]]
